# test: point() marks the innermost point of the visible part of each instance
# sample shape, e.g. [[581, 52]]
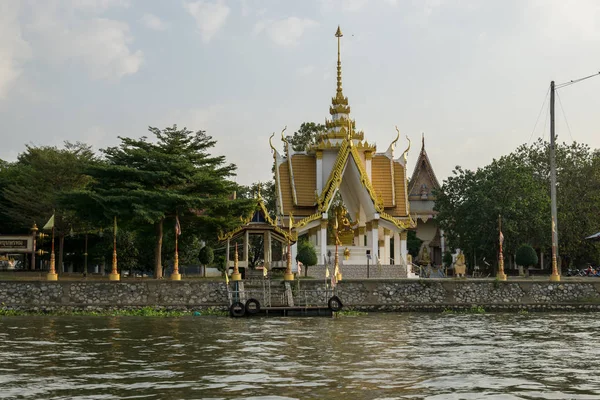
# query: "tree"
[[306, 255], [447, 259], [31, 187], [413, 243], [144, 182], [305, 135], [517, 187], [469, 203], [526, 256], [205, 257]]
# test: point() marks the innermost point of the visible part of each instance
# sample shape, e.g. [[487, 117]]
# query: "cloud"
[[101, 45], [210, 17], [566, 20], [306, 70], [14, 50], [151, 21], [344, 5], [97, 6], [285, 32]]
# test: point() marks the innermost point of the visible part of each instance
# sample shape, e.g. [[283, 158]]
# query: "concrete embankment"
[[366, 295]]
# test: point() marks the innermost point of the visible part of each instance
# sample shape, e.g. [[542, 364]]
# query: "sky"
[[472, 76]]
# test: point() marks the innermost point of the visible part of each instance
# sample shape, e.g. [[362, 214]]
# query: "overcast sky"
[[471, 75]]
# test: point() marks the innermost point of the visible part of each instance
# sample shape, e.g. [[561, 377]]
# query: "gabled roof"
[[423, 177], [258, 219], [346, 151]]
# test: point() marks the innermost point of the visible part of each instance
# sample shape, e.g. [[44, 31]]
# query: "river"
[[377, 356]]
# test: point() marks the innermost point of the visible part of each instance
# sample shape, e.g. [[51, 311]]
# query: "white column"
[[397, 252], [361, 235], [403, 248], [386, 246], [323, 241], [294, 251], [374, 245], [442, 242], [267, 249]]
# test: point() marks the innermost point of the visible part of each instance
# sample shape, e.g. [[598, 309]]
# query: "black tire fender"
[[237, 309], [335, 304], [252, 306]]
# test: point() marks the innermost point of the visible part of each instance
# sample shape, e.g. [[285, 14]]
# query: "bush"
[[206, 255], [526, 256], [306, 255]]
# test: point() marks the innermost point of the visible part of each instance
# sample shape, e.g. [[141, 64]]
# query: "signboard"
[[16, 244]]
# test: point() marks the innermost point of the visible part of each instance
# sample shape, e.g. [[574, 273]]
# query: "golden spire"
[[338, 35]]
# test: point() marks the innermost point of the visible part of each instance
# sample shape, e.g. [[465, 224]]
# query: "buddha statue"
[[460, 268], [424, 259]]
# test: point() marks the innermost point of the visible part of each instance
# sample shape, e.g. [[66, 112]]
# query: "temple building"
[[374, 217], [421, 196]]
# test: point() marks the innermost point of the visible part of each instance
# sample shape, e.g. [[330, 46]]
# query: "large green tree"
[[517, 187], [306, 134], [31, 187], [148, 182]]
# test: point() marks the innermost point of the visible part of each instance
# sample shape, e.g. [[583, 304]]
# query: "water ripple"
[[380, 356]]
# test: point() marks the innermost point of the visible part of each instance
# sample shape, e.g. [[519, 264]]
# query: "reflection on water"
[[379, 356]]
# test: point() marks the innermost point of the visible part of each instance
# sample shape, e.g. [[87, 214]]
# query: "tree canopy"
[[147, 182], [517, 187]]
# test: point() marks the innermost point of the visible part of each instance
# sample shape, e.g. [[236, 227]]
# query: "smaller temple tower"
[[421, 195]]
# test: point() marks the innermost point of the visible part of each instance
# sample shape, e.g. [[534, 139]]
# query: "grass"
[[351, 313]]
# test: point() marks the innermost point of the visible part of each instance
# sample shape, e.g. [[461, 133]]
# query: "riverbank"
[[381, 295]]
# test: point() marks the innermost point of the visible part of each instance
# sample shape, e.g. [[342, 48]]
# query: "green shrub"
[[526, 256], [306, 255]]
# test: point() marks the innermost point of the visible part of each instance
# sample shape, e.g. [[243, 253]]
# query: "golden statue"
[[460, 268], [424, 259]]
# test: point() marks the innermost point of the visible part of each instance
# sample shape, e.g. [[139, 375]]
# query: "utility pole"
[[555, 276]]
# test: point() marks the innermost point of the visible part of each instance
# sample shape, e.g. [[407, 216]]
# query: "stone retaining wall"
[[360, 271], [376, 294]]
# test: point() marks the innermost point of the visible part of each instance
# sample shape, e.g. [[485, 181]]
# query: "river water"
[[377, 356]]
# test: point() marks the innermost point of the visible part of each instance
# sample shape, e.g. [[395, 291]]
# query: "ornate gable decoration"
[[423, 180], [259, 215]]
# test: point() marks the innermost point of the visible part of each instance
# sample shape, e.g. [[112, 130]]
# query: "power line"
[[562, 85], [538, 117], [565, 116]]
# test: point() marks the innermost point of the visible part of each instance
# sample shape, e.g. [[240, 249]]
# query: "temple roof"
[[258, 220], [423, 181], [342, 155]]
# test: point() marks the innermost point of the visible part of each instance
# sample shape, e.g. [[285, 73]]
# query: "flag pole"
[[176, 276], [52, 275], [501, 275], [114, 274]]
